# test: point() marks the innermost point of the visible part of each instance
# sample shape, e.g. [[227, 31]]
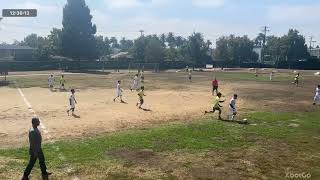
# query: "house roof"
[[14, 47], [121, 55]]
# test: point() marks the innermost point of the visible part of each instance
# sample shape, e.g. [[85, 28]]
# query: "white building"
[[315, 52]]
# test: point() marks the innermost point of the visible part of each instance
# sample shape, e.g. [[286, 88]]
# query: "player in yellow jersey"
[[216, 105], [62, 83], [141, 94]]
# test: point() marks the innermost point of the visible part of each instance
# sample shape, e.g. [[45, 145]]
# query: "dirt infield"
[[99, 114]]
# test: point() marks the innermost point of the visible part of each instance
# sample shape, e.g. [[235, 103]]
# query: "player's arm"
[[70, 101]]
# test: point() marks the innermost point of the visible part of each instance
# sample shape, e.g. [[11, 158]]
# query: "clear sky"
[[214, 18]]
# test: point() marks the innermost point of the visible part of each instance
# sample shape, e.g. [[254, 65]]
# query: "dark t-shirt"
[[35, 140]]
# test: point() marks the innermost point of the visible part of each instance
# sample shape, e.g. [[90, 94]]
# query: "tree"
[[55, 41], [78, 39], [114, 42], [163, 40], [31, 41], [171, 40], [154, 52], [125, 45], [198, 50]]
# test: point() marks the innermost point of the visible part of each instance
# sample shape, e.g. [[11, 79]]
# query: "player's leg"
[[220, 112], [141, 103]]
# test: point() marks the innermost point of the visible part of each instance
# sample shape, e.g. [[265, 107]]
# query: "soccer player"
[[190, 76], [72, 102], [232, 106], [141, 94], [317, 96], [296, 79], [215, 86], [271, 76], [51, 81], [119, 92], [135, 83], [35, 151], [62, 82], [216, 105], [142, 76]]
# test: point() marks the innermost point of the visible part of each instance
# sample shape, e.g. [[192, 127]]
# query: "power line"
[[141, 31], [265, 30]]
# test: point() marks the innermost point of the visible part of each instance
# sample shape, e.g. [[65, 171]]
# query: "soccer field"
[[170, 97]]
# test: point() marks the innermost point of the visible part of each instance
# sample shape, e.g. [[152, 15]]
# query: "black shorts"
[[141, 101], [216, 109], [72, 109], [62, 84], [214, 88]]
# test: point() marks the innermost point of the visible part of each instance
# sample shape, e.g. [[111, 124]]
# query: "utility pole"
[[265, 30], [311, 42], [141, 32]]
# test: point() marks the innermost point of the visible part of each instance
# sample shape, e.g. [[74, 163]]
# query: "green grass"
[[195, 137], [153, 81]]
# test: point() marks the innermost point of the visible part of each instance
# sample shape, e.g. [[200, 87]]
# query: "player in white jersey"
[[51, 81], [72, 102], [119, 92], [317, 96], [271, 76], [135, 83], [232, 106]]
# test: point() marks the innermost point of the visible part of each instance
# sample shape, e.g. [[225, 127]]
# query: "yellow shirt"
[[141, 94], [62, 81], [216, 101]]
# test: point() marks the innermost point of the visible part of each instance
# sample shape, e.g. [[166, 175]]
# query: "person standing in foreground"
[[119, 92], [141, 94], [35, 151], [51, 81], [72, 102], [232, 106], [215, 86], [216, 105], [317, 96]]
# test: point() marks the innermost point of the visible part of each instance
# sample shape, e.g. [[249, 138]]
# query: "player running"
[[119, 92], [316, 99], [62, 83], [232, 106], [51, 81], [216, 105], [72, 102], [141, 94], [215, 86]]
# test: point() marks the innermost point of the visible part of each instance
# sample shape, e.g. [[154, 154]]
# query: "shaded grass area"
[[289, 137]]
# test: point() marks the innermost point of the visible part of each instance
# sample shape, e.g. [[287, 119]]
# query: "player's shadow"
[[76, 116], [236, 121], [147, 110]]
